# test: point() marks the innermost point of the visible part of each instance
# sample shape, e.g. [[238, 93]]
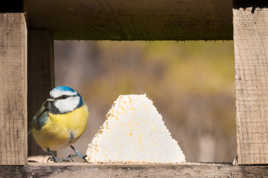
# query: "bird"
[[60, 121]]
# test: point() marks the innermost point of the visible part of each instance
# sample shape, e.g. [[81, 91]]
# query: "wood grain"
[[251, 67], [133, 20], [13, 87], [187, 170], [40, 76]]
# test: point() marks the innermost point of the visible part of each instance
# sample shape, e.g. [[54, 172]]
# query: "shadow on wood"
[[40, 76], [250, 4], [133, 20], [12, 6]]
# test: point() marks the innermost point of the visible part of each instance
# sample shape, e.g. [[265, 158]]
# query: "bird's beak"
[[45, 103], [50, 99]]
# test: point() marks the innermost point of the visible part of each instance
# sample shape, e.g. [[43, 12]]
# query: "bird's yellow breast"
[[60, 130]]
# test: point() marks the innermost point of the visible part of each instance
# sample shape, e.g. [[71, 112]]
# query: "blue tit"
[[61, 120]]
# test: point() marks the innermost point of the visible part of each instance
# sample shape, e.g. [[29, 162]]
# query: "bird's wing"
[[40, 118]]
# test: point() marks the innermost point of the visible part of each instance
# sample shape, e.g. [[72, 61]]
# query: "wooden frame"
[[250, 24], [134, 171], [251, 77], [13, 98], [133, 20]]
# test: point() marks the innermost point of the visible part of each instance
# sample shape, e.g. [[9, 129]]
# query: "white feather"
[[68, 104], [57, 93]]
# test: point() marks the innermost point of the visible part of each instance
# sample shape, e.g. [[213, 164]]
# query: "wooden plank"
[[13, 80], [41, 76], [251, 68], [134, 171], [133, 20]]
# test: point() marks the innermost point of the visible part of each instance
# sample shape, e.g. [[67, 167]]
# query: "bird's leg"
[[53, 156], [77, 153]]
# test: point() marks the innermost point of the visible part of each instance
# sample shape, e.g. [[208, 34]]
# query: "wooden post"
[[40, 76], [251, 66], [13, 89]]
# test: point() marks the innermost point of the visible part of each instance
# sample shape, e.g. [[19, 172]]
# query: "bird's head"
[[63, 99]]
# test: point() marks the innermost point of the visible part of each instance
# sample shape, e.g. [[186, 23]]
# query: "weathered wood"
[[251, 67], [40, 76], [133, 20], [13, 82], [134, 171]]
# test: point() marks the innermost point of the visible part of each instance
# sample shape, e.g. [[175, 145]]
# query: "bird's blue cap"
[[64, 88]]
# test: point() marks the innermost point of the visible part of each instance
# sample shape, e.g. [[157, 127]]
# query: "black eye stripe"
[[64, 97]]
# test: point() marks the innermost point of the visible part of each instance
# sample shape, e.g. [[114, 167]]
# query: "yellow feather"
[[55, 134]]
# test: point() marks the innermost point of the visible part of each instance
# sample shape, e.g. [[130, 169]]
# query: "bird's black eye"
[[62, 97]]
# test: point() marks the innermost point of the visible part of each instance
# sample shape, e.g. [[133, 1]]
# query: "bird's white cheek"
[[68, 104]]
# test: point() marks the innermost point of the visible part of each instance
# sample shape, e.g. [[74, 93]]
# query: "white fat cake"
[[134, 131]]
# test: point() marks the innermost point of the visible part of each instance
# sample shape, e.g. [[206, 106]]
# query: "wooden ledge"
[[132, 20], [83, 170]]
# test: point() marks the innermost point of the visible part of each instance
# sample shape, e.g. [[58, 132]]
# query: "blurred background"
[[190, 83]]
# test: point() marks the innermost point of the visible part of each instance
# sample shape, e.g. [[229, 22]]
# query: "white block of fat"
[[134, 131]]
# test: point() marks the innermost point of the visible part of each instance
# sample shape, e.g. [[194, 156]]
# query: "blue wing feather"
[[39, 120]]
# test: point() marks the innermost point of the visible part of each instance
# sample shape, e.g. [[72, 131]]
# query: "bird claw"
[[69, 158], [85, 158], [53, 158]]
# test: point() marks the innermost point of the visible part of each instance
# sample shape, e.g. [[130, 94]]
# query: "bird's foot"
[[69, 158], [54, 159], [77, 153], [52, 156]]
